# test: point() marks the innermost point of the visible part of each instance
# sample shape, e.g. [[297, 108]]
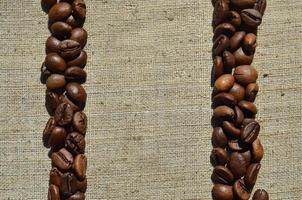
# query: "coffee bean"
[[239, 116], [77, 196], [75, 143], [233, 18], [249, 43], [248, 108], [55, 63], [64, 99], [260, 5], [230, 129], [236, 145], [250, 177], [52, 45], [240, 190], [251, 17], [75, 22], [79, 122], [222, 175], [47, 4], [245, 74], [220, 45], [257, 151], [219, 156], [242, 58], [250, 132], [224, 83], [224, 113], [51, 124], [251, 92], [55, 81], [76, 93], [69, 184], [79, 35], [59, 12], [61, 30], [219, 139], [243, 3], [220, 11], [246, 121], [63, 114], [260, 195], [80, 166], [62, 159], [80, 61], [45, 73], [82, 185], [224, 28], [222, 192], [53, 193], [238, 92], [224, 99], [57, 138], [237, 165], [55, 177], [247, 156], [229, 60], [69, 49], [51, 102], [79, 9], [75, 74], [217, 67], [236, 40]]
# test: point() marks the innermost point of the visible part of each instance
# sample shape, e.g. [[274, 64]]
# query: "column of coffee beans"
[[237, 150], [63, 73]]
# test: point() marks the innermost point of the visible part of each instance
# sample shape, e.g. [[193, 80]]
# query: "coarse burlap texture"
[[149, 99]]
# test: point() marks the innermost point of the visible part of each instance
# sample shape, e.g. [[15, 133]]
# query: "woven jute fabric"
[[148, 99]]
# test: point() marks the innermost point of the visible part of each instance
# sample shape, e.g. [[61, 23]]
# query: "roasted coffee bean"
[[224, 83], [76, 93], [79, 35], [64, 99], [79, 9], [69, 184], [251, 92], [222, 192], [52, 45], [69, 49], [51, 102], [236, 145], [233, 18], [251, 17], [47, 4], [55, 81], [250, 132], [220, 45], [55, 63], [63, 114], [219, 156], [229, 60], [230, 129], [240, 190], [224, 99], [248, 108], [220, 11], [241, 58], [75, 22], [249, 43], [53, 193], [237, 165], [79, 122], [260, 5], [245, 74], [57, 137], [80, 166], [217, 67], [222, 175], [224, 28], [75, 74], [239, 116], [243, 3], [260, 195], [224, 113], [75, 143], [257, 151], [55, 176], [246, 121], [250, 177], [80, 61], [51, 124], [247, 156], [238, 92], [219, 139], [77, 196], [60, 12], [61, 30], [82, 185], [236, 40], [62, 159], [45, 73]]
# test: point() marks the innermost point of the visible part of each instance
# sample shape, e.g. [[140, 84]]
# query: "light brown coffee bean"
[[257, 151], [80, 61], [248, 108], [62, 159], [55, 81], [250, 177], [238, 92], [224, 113], [245, 74], [242, 58], [239, 116], [249, 43], [224, 98], [55, 63], [251, 92], [80, 166], [224, 83]]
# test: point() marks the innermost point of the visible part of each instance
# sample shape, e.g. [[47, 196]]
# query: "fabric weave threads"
[[149, 100]]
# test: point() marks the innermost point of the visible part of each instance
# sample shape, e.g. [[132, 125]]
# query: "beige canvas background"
[[149, 99]]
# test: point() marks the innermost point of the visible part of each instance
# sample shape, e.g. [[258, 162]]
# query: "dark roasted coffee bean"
[[240, 190], [229, 60], [61, 30], [221, 43], [51, 102], [237, 165], [251, 91], [55, 81], [62, 159], [51, 124], [241, 58], [64, 99], [217, 67], [248, 108], [75, 74], [230, 129], [77, 196], [76, 93], [219, 139], [47, 4], [79, 9], [57, 138], [245, 74], [260, 195], [82, 185], [60, 12], [250, 132], [243, 3], [69, 184], [45, 73], [222, 175], [238, 92], [220, 11], [246, 121], [251, 17], [247, 156], [79, 122], [69, 49], [224, 113], [55, 176], [257, 151], [260, 5], [75, 22], [80, 166], [224, 99], [52, 45], [233, 18], [75, 143], [80, 61], [236, 40], [239, 116], [224, 28], [236, 145], [224, 83], [79, 35], [250, 177], [219, 156], [249, 43], [53, 193], [55, 63], [222, 192], [63, 114]]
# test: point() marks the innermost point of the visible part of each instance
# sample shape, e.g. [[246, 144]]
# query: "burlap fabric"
[[149, 99]]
